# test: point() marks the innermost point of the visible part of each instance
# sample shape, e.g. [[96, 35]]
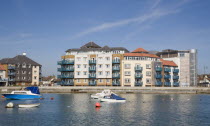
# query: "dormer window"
[[24, 65], [29, 66]]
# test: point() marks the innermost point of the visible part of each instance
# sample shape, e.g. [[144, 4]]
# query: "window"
[[35, 72], [23, 78], [100, 65], [100, 58], [127, 66], [100, 73], [100, 80], [127, 73], [17, 72], [23, 65], [107, 58], [78, 73], [84, 58], [29, 66], [78, 66], [85, 80], [148, 81], [107, 73], [34, 66], [127, 80], [78, 59], [107, 65], [23, 72], [85, 65], [107, 80], [29, 72], [78, 80], [181, 54], [148, 73], [35, 77], [148, 66], [85, 73]]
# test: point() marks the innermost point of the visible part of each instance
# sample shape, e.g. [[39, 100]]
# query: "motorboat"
[[27, 93], [102, 94], [28, 105], [112, 98]]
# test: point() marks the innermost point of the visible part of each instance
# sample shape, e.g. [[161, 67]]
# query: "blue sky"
[[45, 29]]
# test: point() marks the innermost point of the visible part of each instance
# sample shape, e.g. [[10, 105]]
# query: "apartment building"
[[92, 65], [3, 79], [21, 70], [187, 64]]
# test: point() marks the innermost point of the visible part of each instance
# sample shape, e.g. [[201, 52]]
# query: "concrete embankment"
[[146, 90]]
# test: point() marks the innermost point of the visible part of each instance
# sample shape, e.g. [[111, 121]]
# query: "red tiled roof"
[[141, 55], [2, 67], [168, 63], [140, 50]]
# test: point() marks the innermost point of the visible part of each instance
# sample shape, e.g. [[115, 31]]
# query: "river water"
[[138, 110]]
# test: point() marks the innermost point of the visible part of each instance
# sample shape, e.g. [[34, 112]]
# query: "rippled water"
[[139, 109]]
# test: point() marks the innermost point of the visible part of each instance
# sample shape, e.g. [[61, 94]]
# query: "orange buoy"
[[98, 104], [51, 98], [2, 96], [41, 98]]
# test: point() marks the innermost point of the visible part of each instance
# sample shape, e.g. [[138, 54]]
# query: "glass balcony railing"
[[10, 79], [116, 61], [116, 83], [176, 70], [138, 68], [115, 75], [92, 83], [167, 70], [167, 83], [138, 75], [65, 83], [66, 69], [158, 83], [92, 75], [158, 76], [176, 84], [158, 69], [92, 61], [175, 77], [65, 76], [138, 83], [11, 67], [92, 68], [65, 62], [167, 76], [11, 74], [116, 68], [3, 79]]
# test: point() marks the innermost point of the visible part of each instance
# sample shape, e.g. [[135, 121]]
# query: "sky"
[[45, 29]]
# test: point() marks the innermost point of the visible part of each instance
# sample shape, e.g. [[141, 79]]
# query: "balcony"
[[65, 76], [115, 75], [176, 70], [92, 83], [176, 84], [115, 61], [175, 77], [116, 83], [158, 83], [115, 68], [138, 68], [138, 76], [11, 74], [158, 76], [64, 83], [92, 61], [167, 76], [167, 83], [92, 68], [66, 69], [92, 75], [167, 70], [65, 62], [11, 67], [11, 79], [158, 68], [138, 83], [3, 79]]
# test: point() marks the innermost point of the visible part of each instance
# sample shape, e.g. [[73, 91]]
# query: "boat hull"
[[28, 105], [21, 96], [111, 100]]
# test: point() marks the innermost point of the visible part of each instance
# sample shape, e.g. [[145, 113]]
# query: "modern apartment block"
[[3, 79], [92, 65], [21, 70], [187, 64]]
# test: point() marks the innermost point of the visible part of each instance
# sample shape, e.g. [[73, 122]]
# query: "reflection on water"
[[139, 109]]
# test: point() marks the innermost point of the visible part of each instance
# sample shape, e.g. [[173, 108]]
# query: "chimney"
[[24, 54]]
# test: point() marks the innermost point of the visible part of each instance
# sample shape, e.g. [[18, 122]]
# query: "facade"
[[92, 65], [187, 64], [3, 79], [21, 70]]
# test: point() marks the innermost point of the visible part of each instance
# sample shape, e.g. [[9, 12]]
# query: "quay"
[[143, 90]]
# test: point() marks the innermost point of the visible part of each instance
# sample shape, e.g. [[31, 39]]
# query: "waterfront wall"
[[146, 90]]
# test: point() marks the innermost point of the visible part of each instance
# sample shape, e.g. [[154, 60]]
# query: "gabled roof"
[[2, 68], [19, 59], [168, 63], [140, 50], [141, 55]]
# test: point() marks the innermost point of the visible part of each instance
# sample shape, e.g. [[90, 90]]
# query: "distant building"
[[48, 81], [3, 79], [92, 65], [187, 64], [21, 70], [204, 80]]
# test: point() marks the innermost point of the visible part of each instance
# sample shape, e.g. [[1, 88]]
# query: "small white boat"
[[102, 94], [28, 105], [112, 98]]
